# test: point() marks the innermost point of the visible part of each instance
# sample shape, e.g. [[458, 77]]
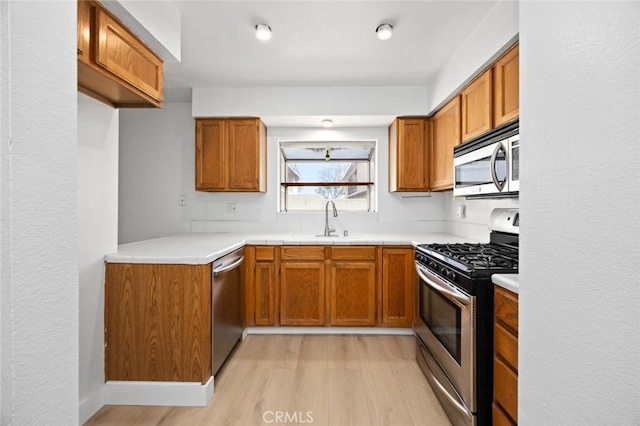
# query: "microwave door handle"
[[494, 175]]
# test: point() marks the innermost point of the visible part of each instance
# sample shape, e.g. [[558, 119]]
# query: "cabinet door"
[[409, 155], [302, 293], [265, 285], [122, 54], [352, 294], [507, 87], [84, 30], [210, 155], [244, 155], [477, 107], [445, 135], [398, 283]]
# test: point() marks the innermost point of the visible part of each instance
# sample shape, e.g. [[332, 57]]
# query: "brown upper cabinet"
[[445, 135], [231, 155], [477, 115], [506, 87], [409, 154], [114, 66]]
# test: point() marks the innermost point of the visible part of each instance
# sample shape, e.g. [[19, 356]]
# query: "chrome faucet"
[[327, 230]]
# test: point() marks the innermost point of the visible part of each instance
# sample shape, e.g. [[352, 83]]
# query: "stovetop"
[[472, 259]]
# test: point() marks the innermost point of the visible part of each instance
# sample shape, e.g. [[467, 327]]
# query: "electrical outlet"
[[460, 211], [183, 200], [232, 208]]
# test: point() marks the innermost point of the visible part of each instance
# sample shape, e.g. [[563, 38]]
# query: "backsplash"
[[475, 223]]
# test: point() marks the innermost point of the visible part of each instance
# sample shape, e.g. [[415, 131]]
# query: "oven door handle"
[[465, 300], [494, 174]]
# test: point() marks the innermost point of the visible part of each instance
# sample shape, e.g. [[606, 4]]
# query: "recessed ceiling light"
[[263, 32], [327, 123], [384, 31]]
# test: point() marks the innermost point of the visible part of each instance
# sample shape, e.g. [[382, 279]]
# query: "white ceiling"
[[317, 43]]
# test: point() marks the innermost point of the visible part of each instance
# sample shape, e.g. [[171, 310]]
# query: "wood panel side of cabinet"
[[266, 294], [158, 322], [84, 30], [211, 155], [445, 136], [262, 159], [394, 169], [352, 293], [250, 256], [506, 73], [244, 154], [302, 293], [124, 55], [398, 283], [477, 106]]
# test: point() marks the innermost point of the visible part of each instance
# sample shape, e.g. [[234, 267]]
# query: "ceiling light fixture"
[[327, 123], [384, 31], [263, 32]]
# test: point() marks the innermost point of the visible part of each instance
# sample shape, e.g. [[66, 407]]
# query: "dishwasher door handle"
[[224, 268]]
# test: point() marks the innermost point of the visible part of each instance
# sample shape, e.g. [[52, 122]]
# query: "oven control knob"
[[432, 265], [443, 271], [451, 275]]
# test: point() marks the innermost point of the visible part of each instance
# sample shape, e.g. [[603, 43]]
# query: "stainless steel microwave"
[[488, 166]]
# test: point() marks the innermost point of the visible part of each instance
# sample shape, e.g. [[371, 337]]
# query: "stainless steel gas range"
[[454, 328]]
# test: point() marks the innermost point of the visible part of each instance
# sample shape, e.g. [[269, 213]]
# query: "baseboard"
[[184, 394], [90, 405], [330, 330]]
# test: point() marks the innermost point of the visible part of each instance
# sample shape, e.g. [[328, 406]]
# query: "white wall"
[[580, 202], [493, 35], [475, 223], [157, 165], [309, 101], [98, 235], [157, 23], [157, 152], [39, 236]]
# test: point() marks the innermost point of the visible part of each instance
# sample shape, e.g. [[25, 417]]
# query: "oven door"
[[446, 326], [483, 171]]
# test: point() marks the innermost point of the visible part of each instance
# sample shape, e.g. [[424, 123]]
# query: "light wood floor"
[[341, 380]]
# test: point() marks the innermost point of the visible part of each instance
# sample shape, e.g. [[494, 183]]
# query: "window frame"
[[371, 161]]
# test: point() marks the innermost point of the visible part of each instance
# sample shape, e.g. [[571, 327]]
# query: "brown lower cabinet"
[[330, 285], [398, 283], [302, 292], [505, 357], [353, 293], [158, 322]]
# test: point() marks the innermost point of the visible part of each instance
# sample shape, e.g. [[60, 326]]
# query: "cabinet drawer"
[[500, 418], [302, 253], [353, 253], [265, 253], [505, 392], [506, 308], [506, 345]]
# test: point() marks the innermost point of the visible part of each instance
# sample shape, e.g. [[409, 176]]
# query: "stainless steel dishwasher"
[[227, 306]]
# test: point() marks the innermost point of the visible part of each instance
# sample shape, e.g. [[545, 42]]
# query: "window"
[[313, 172]]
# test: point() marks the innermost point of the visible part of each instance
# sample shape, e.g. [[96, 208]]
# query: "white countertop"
[[203, 248], [510, 282]]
